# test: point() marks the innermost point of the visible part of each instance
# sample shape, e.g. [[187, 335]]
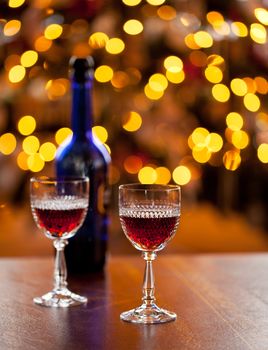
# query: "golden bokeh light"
[[158, 82], [163, 175], [199, 136], [131, 2], [42, 44], [100, 132], [220, 92], [239, 87], [155, 2], [190, 42], [167, 12], [258, 33], [8, 143], [239, 29], [16, 74], [234, 121], [261, 85], [181, 175], [53, 31], [29, 58], [262, 15], [12, 27], [15, 3], [214, 18], [173, 64], [213, 74], [30, 144], [251, 84], [262, 152], [98, 40], [26, 125], [175, 78], [216, 60], [231, 160], [103, 74], [201, 154], [133, 27], [152, 94], [62, 135], [133, 164], [35, 162], [48, 151], [203, 39], [132, 121], [252, 102], [214, 142], [115, 46], [240, 139], [147, 175], [22, 159]]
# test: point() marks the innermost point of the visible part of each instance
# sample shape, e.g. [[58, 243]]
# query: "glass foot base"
[[148, 315], [60, 298]]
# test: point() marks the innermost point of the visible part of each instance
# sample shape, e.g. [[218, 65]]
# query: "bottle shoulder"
[[83, 148]]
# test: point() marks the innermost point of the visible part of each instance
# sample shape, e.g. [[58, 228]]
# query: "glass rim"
[[60, 179], [154, 187]]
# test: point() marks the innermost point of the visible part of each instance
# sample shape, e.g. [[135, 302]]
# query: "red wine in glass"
[[149, 229], [60, 217]]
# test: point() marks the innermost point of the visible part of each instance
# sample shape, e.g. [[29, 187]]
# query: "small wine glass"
[[149, 216], [59, 207]]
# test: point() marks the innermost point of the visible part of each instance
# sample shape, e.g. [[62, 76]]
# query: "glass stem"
[[148, 281], [60, 271]]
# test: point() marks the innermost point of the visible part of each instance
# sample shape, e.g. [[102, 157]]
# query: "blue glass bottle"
[[84, 156]]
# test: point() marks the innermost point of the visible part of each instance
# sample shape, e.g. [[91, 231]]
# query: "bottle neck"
[[81, 109]]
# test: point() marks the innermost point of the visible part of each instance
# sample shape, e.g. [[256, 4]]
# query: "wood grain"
[[221, 302]]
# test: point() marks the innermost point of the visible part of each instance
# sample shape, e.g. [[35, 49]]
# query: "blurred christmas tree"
[[179, 93]]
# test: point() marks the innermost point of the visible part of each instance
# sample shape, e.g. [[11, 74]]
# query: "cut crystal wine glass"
[[59, 206], [149, 216]]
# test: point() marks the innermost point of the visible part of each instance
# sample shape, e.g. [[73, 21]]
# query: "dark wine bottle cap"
[[81, 68]]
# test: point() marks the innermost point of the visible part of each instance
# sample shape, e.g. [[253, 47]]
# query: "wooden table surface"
[[221, 302]]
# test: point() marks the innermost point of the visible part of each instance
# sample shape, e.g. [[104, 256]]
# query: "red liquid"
[[149, 233], [59, 222]]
